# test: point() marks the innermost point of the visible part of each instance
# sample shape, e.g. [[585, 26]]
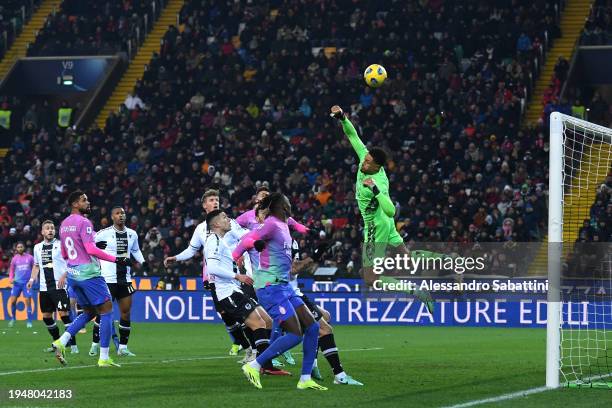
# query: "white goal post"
[[580, 162]]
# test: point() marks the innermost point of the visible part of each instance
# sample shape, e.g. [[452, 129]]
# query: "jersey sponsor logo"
[[47, 265], [73, 271], [121, 240]]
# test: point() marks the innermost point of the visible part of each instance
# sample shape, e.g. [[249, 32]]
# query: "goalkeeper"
[[376, 207]]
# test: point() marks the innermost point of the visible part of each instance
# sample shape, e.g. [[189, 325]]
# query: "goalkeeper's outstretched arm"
[[350, 132]]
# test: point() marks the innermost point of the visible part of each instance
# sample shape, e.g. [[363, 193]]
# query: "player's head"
[[261, 213], [374, 160], [118, 216], [218, 221], [210, 200], [78, 202], [262, 192], [48, 230], [20, 248], [278, 205]]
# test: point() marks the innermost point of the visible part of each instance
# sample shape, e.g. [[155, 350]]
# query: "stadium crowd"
[[239, 97], [14, 14], [95, 28], [597, 30]]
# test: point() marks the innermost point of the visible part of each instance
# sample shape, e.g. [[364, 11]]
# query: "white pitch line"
[[501, 397], [176, 360], [518, 394]]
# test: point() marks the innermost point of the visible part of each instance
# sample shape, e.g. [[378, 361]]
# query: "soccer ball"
[[375, 75]]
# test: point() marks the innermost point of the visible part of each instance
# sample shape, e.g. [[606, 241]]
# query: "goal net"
[[579, 327]]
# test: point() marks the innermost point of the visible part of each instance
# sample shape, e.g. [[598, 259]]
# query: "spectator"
[[523, 44], [172, 280], [133, 101], [449, 119]]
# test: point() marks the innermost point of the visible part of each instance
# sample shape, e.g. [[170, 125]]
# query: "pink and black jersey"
[[75, 232]]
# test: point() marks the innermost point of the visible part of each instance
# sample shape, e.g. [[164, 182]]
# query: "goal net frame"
[[557, 367]]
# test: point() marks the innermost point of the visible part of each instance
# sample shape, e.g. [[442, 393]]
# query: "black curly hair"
[[379, 155], [274, 202], [74, 197]]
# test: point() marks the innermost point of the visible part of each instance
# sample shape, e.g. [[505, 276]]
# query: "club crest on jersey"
[[247, 306], [282, 310]]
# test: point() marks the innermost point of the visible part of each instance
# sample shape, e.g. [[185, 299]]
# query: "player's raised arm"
[[88, 238], [350, 132], [194, 246], [296, 226], [248, 241]]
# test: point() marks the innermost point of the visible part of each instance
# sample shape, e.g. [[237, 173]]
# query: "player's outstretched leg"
[[257, 323], [106, 327], [59, 345], [285, 342], [95, 339], [67, 322], [311, 338], [274, 333], [76, 310], [263, 341], [327, 343]]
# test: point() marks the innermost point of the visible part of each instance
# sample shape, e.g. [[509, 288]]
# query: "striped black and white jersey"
[[120, 244], [295, 255], [232, 238], [198, 240], [220, 266], [48, 257]]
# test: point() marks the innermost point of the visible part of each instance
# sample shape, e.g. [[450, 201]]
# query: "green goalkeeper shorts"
[[378, 234]]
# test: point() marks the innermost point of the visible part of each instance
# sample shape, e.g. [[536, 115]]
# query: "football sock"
[[330, 351]]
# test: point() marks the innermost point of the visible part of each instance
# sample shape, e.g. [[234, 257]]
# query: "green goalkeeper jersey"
[[370, 207]]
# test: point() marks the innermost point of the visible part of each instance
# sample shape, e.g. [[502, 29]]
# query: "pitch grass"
[[186, 365]]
